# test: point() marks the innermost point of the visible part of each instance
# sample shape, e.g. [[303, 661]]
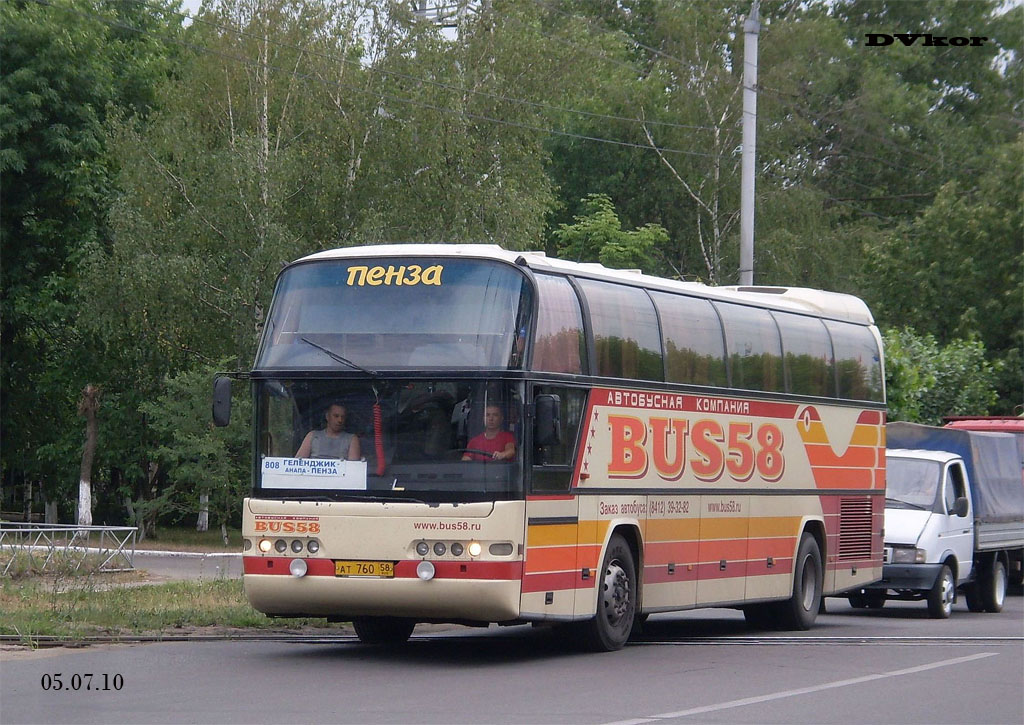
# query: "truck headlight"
[[908, 555]]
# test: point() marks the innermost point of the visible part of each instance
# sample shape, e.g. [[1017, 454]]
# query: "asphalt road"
[[188, 565], [705, 666]]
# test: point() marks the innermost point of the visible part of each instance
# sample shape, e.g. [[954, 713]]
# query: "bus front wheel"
[[616, 600]]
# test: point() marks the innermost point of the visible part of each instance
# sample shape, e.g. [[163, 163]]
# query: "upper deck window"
[[808, 355], [414, 313], [858, 361], [755, 350], [626, 336], [694, 345], [561, 345]]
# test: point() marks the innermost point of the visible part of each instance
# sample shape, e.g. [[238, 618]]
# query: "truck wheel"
[[993, 586], [616, 600], [383, 630], [941, 595], [800, 610]]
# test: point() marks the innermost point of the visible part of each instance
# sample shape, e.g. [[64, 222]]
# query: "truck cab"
[[929, 531]]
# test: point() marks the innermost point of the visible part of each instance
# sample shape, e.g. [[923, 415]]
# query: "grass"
[[120, 605], [188, 539]]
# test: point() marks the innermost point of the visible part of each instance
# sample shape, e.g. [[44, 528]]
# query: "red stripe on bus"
[[556, 581], [493, 570]]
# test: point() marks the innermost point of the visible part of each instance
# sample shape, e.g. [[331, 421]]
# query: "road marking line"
[[803, 690]]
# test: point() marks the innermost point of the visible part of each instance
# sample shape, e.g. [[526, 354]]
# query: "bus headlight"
[[296, 546], [313, 546], [298, 568], [423, 548], [475, 548], [265, 545], [281, 546], [457, 549]]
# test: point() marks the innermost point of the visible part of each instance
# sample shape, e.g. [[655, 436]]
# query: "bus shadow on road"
[[469, 648]]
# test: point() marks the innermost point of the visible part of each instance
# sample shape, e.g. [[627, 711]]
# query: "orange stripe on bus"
[[857, 456], [773, 526], [843, 477], [553, 535], [673, 529], [723, 528]]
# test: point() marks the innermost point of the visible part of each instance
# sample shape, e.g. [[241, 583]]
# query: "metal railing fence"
[[43, 548]]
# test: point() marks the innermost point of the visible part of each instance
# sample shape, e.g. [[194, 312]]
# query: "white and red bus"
[[664, 445]]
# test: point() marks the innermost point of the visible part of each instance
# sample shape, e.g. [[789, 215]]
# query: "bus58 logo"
[[708, 449], [287, 525]]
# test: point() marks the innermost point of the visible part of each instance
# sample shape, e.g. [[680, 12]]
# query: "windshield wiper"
[[339, 358], [907, 503]]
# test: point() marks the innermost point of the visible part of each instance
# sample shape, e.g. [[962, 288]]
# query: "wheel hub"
[[616, 594]]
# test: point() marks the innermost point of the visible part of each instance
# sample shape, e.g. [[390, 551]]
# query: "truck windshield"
[[430, 440], [912, 482], [397, 314]]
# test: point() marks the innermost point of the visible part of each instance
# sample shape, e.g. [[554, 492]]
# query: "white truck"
[[954, 518]]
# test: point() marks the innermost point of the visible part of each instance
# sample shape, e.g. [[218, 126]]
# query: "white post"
[[751, 29]]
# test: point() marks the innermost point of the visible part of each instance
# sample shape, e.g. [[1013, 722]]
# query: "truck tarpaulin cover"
[[992, 465]]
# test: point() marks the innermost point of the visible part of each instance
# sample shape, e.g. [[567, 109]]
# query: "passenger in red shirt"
[[500, 444]]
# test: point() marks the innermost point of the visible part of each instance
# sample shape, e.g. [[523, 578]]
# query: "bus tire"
[[993, 585], [801, 609], [616, 600], [942, 594], [383, 630]]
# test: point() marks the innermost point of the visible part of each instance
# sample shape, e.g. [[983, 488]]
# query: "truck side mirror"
[[547, 424], [221, 401], [960, 507]]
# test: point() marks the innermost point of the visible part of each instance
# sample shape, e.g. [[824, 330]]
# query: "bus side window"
[[858, 361], [553, 465]]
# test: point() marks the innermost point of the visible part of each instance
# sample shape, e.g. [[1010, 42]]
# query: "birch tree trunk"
[[203, 520], [87, 407]]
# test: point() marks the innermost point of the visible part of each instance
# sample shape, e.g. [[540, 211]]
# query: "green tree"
[[64, 68], [201, 459], [926, 380], [598, 236]]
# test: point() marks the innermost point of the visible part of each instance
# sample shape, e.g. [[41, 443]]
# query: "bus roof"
[[832, 305]]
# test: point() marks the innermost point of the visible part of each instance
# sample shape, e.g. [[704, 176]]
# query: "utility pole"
[[751, 29]]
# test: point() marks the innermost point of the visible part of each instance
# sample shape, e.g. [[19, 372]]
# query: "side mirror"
[[547, 424], [221, 401], [961, 506]]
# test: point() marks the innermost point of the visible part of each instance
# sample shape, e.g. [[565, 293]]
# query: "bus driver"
[[494, 443], [332, 441]]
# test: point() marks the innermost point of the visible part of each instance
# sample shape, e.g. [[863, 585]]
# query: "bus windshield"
[[399, 314], [430, 440]]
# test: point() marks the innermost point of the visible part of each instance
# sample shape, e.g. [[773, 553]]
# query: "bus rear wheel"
[[801, 609], [383, 630], [616, 600]]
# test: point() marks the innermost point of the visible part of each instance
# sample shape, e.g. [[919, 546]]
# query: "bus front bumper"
[[477, 591]]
